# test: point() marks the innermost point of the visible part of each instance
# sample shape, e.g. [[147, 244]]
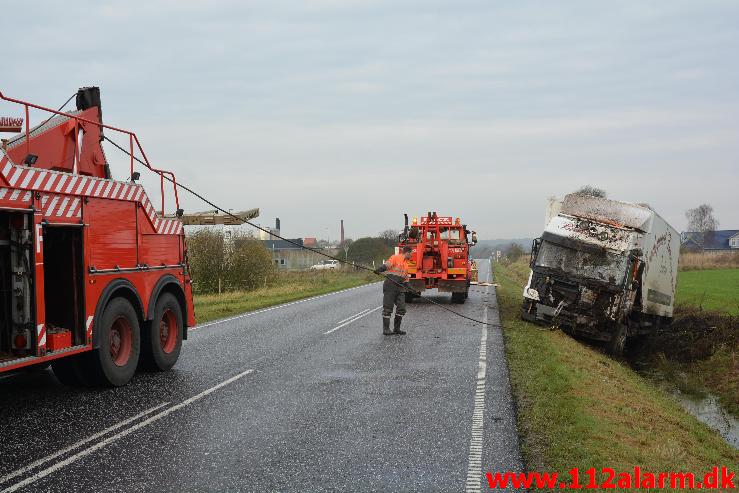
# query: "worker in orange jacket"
[[394, 289]]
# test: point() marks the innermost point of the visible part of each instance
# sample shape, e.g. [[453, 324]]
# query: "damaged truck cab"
[[603, 269]]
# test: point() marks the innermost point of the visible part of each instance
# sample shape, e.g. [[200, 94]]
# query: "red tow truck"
[[441, 255], [93, 279]]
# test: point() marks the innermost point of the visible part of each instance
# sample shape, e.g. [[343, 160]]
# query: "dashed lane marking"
[[352, 316], [473, 484], [277, 307], [356, 317], [44, 460], [112, 438]]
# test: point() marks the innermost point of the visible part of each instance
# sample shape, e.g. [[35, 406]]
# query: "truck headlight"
[[533, 294]]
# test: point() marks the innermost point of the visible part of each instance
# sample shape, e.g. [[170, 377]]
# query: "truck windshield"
[[602, 266], [450, 234]]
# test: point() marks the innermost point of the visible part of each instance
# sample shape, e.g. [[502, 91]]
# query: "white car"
[[325, 264]]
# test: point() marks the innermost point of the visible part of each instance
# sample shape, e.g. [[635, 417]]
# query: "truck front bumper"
[[443, 285], [573, 323]]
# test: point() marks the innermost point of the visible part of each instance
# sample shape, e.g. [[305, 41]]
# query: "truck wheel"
[[618, 341], [458, 298], [162, 339], [409, 297], [116, 359], [528, 311]]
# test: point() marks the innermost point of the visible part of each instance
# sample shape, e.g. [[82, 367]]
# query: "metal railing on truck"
[[132, 138]]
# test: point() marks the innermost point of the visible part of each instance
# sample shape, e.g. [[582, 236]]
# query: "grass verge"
[[289, 286], [579, 408]]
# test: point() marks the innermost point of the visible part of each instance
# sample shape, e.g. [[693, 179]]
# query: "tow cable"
[[360, 266]]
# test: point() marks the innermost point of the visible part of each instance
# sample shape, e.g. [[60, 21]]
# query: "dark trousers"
[[393, 295]]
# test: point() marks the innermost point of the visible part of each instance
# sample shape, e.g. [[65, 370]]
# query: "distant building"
[[710, 241], [273, 232], [287, 255], [310, 242]]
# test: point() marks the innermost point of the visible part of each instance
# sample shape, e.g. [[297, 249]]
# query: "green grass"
[[288, 287], [709, 289], [578, 407]]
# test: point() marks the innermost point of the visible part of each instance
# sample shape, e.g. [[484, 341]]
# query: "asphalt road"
[[308, 396]]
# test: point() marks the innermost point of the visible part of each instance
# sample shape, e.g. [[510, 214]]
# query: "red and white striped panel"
[[162, 225], [41, 334], [61, 206], [15, 195], [22, 177]]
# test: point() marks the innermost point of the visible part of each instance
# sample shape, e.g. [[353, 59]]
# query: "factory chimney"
[[342, 233]]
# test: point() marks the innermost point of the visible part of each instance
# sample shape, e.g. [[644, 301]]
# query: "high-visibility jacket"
[[397, 265]]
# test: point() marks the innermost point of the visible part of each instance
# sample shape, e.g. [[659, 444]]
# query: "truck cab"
[[599, 268]]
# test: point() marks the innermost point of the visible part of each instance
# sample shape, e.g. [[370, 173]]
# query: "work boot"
[[386, 326], [397, 326]]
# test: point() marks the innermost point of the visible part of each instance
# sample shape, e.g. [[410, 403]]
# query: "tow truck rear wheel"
[[117, 356], [162, 339], [459, 298], [409, 297]]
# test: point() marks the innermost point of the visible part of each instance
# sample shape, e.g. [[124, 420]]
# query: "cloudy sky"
[[322, 110]]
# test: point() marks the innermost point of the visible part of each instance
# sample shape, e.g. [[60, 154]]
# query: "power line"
[[299, 245]]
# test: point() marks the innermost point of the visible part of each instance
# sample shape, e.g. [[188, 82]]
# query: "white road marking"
[[361, 315], [73, 458], [34, 465], [276, 307], [474, 458]]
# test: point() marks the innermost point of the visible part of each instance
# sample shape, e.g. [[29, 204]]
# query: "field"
[[703, 261], [289, 286], [716, 289], [578, 407]]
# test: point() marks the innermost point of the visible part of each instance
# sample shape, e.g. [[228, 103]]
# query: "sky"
[[338, 109]]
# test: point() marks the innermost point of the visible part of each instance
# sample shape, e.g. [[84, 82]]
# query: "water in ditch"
[[709, 411]]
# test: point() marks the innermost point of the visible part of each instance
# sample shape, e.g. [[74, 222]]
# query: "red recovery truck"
[[441, 255], [93, 279]]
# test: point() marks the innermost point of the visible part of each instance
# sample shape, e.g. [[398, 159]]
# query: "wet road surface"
[[307, 396]]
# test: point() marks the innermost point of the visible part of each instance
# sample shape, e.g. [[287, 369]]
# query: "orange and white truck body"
[[441, 255]]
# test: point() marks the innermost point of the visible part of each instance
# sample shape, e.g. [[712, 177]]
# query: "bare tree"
[[701, 219], [513, 251], [591, 191], [390, 236]]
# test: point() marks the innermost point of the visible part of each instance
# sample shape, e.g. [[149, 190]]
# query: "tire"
[[162, 338], [409, 297], [114, 362], [617, 345], [458, 298], [527, 311]]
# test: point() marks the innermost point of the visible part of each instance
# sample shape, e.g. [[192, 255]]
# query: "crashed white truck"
[[603, 270]]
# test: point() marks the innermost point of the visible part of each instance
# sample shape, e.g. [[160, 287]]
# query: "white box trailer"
[[603, 269]]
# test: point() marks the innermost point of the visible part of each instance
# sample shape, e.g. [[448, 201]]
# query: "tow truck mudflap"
[[417, 285], [452, 286]]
